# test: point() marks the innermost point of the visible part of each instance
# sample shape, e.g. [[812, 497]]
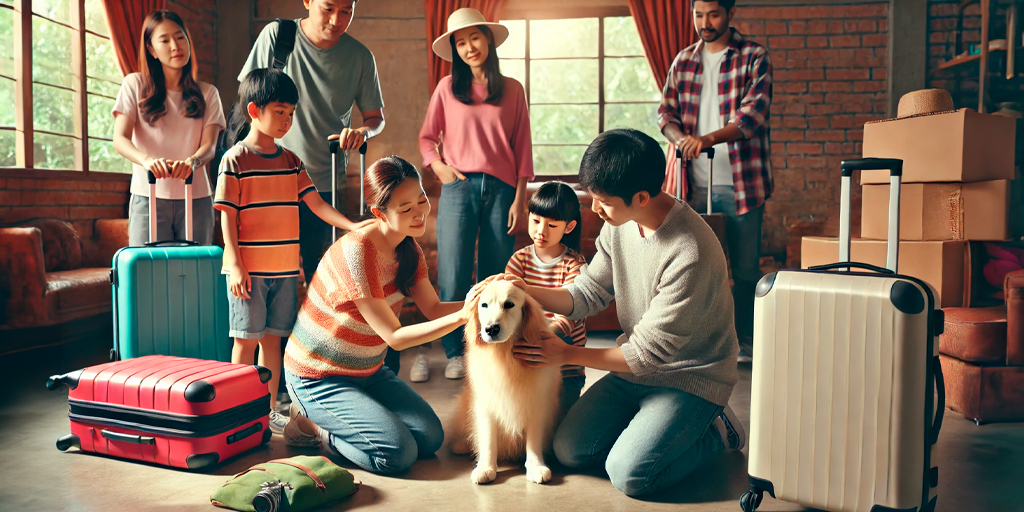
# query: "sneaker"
[[420, 370], [278, 422], [294, 436], [456, 369], [731, 429]]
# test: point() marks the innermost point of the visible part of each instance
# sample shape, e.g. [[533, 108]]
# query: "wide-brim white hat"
[[460, 19]]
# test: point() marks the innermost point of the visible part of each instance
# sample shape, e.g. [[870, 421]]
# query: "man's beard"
[[710, 36]]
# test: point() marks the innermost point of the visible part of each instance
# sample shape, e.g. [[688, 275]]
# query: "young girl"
[[167, 122], [342, 393], [554, 261], [488, 159]]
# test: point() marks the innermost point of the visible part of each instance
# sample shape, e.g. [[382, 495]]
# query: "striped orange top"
[[330, 337], [265, 190], [556, 274]]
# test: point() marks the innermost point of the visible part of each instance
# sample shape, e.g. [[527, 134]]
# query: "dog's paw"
[[484, 475], [461, 447], [538, 474]]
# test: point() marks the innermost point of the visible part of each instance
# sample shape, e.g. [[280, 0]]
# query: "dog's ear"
[[534, 322], [471, 333]]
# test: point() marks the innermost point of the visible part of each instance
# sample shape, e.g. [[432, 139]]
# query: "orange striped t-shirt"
[[265, 190], [556, 274], [331, 337]]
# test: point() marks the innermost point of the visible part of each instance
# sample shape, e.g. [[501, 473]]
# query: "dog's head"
[[505, 312]]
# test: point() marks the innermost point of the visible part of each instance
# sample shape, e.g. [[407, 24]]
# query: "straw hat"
[[924, 102], [461, 19]]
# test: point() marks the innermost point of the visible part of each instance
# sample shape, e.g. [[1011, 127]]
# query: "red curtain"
[[124, 19], [437, 24], [666, 27]]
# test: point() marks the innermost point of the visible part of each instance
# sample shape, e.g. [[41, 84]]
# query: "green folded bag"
[[314, 481]]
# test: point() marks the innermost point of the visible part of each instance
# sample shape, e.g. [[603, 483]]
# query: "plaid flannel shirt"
[[745, 91]]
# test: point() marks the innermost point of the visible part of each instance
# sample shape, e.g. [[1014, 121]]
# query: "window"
[[582, 76], [60, 30]]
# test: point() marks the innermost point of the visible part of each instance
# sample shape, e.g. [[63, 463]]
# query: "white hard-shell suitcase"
[[846, 367]]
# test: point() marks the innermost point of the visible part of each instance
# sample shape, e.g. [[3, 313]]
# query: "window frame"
[[24, 122], [557, 13]]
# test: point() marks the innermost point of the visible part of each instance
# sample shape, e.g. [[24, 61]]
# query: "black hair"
[[381, 180], [263, 87], [557, 200], [462, 74], [621, 163], [726, 4]]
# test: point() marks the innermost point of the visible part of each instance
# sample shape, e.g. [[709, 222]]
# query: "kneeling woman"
[[343, 394]]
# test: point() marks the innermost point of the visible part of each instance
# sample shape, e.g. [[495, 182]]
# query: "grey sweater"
[[673, 301]]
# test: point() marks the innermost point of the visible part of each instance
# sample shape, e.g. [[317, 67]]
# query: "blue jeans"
[[478, 204], [647, 437], [743, 237], [377, 422]]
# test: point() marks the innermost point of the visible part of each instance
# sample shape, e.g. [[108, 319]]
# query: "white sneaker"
[[294, 436], [731, 429], [420, 370], [456, 369]]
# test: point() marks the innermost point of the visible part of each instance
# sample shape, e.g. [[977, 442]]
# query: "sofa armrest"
[[22, 275], [109, 235], [1013, 291]]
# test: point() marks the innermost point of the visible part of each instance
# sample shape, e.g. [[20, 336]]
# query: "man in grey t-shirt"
[[332, 71]]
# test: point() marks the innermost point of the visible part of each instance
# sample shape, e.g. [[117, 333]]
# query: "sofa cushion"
[[72, 291], [62, 249]]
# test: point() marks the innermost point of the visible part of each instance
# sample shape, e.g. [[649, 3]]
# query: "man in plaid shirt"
[[718, 94]]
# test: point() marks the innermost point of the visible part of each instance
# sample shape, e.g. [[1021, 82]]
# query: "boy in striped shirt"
[[259, 188]]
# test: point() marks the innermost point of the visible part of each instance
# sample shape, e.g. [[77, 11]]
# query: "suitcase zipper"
[[167, 423]]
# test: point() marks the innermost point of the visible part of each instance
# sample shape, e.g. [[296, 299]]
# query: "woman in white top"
[[167, 122]]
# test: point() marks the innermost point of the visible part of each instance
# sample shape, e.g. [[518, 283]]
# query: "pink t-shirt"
[[492, 139], [174, 136]]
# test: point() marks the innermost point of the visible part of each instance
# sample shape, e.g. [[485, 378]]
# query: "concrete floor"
[[981, 468]]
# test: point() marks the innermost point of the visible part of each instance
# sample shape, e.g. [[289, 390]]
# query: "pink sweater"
[[492, 139]]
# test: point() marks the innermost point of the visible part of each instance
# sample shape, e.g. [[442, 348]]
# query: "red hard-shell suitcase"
[[173, 411]]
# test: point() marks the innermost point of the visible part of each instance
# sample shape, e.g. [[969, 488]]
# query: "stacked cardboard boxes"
[[957, 168]]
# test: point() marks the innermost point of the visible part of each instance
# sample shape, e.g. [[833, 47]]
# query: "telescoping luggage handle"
[[334, 146], [189, 234], [895, 168], [679, 173]]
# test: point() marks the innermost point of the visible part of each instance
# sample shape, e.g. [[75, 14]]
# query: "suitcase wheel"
[[750, 500], [266, 436], [68, 441]]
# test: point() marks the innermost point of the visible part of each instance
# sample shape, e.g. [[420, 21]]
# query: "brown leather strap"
[[307, 471]]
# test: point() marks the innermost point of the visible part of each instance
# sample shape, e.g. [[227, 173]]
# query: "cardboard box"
[[957, 146], [938, 263], [939, 211]]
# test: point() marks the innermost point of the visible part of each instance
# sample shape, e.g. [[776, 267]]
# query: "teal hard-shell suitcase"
[[170, 299]]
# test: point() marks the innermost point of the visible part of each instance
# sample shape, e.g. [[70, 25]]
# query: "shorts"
[[271, 308]]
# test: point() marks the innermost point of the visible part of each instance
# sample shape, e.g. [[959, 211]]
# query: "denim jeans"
[[743, 236], [478, 204], [647, 437], [377, 422]]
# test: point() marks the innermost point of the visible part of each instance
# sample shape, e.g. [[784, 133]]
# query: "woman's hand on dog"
[[549, 350]]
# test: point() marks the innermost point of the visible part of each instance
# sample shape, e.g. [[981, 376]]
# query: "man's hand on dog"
[[549, 350]]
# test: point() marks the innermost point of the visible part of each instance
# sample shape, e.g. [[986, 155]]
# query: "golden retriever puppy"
[[505, 408]]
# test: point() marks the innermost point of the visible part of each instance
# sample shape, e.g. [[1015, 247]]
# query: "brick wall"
[[78, 200], [830, 77], [201, 18]]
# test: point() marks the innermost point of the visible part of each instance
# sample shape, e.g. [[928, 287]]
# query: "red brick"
[[817, 123], [786, 42], [845, 41], [807, 162], [801, 75], [877, 85], [801, 27], [791, 108], [790, 122], [11, 197], [787, 135], [860, 26], [865, 10], [817, 42], [775, 27], [803, 148], [791, 88], [875, 40], [878, 73], [848, 74], [843, 121], [836, 148], [823, 109], [826, 135], [830, 87]]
